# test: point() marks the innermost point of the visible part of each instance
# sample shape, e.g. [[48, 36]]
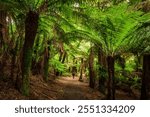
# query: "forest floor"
[[62, 88]]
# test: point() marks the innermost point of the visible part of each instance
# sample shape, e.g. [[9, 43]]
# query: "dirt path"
[[66, 88], [76, 90], [63, 88]]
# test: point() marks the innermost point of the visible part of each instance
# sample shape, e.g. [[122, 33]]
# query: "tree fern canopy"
[[111, 26], [141, 38]]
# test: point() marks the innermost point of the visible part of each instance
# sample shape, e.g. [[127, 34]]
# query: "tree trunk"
[[146, 77], [91, 69], [31, 26], [61, 56], [1, 44], [60, 59], [111, 78], [102, 70], [46, 64], [64, 57], [81, 70], [1, 36], [3, 28], [63, 60], [14, 59], [13, 62]]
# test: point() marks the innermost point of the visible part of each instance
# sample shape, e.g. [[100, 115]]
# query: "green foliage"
[[118, 67], [141, 37], [130, 64], [57, 65], [103, 72]]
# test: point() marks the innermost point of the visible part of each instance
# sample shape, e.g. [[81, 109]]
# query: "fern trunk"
[[101, 72], [81, 70], [60, 59], [3, 25], [91, 69], [64, 57], [31, 26], [111, 78], [13, 62], [46, 64], [46, 69], [1, 44], [146, 77]]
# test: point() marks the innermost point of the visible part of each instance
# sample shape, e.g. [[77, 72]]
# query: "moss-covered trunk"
[[111, 78], [102, 70], [91, 69], [146, 77], [31, 26], [58, 73]]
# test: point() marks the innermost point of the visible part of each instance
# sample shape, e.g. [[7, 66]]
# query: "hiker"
[[74, 70]]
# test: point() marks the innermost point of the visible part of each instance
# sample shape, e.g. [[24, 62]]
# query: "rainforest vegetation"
[[75, 49]]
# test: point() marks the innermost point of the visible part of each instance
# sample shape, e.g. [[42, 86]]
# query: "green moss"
[[25, 86], [26, 71]]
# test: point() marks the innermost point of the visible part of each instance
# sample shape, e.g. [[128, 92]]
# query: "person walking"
[[74, 70]]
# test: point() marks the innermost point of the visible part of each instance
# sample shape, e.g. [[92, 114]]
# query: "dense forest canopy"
[[105, 41]]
